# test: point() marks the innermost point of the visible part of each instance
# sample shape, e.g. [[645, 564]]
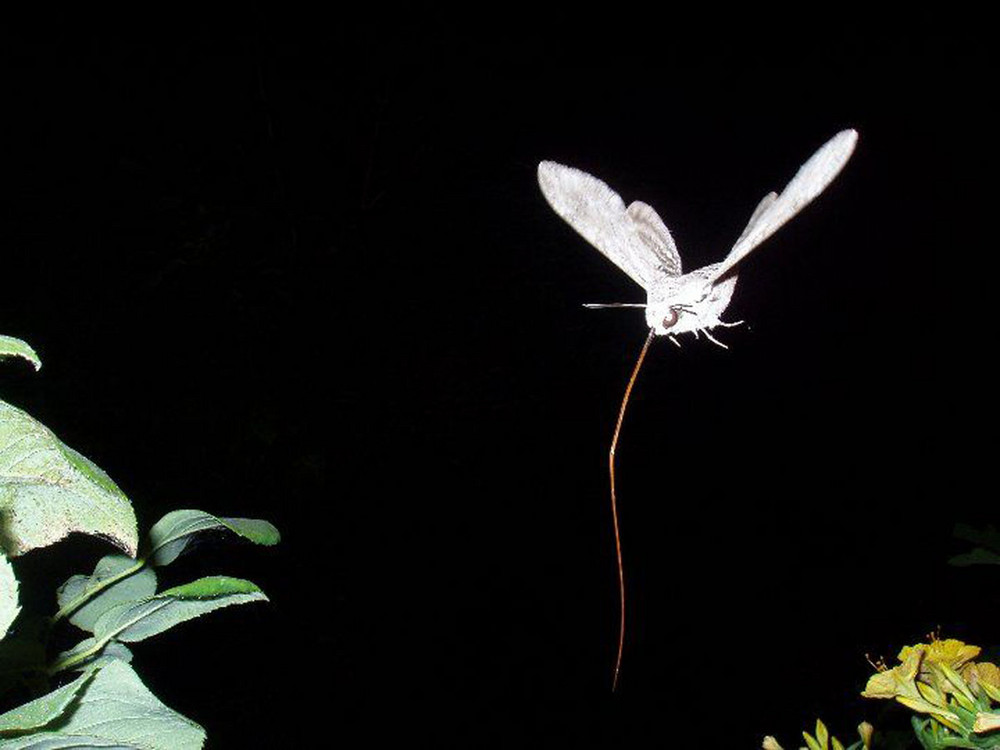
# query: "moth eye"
[[669, 320]]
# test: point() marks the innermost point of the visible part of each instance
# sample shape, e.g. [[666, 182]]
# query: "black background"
[[298, 267]]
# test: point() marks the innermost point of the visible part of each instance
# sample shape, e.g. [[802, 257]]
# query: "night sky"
[[298, 267]]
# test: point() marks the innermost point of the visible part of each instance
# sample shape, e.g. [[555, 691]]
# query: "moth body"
[[689, 303]]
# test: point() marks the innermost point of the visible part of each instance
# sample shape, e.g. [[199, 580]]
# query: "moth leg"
[[713, 339], [695, 332], [672, 338]]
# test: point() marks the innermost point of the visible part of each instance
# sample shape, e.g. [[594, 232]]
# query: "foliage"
[[47, 491]]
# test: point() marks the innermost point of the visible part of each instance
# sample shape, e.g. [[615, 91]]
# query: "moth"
[[637, 241]]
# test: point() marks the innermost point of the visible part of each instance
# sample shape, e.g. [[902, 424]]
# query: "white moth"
[[637, 241]]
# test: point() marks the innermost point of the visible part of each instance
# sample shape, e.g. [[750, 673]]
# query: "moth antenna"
[[724, 324], [711, 338], [606, 305], [614, 504]]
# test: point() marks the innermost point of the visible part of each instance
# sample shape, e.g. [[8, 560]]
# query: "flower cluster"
[[941, 680]]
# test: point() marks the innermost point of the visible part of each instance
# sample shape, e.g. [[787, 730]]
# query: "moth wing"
[[655, 236], [598, 215], [811, 180], [764, 204]]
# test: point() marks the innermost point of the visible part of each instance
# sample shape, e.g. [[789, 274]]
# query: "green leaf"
[[115, 579], [988, 537], [8, 595], [136, 621], [112, 651], [48, 490], [115, 710], [978, 556], [12, 347], [41, 711], [96, 653], [822, 736], [172, 533], [140, 620]]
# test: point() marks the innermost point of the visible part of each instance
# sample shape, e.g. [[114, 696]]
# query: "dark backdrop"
[[298, 267]]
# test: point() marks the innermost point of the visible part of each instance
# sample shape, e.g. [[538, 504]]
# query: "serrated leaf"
[[115, 710], [172, 533], [8, 595], [12, 347], [48, 490], [41, 711], [113, 582]]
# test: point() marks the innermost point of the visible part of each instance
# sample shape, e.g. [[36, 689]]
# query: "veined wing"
[[634, 239], [811, 180], [655, 236]]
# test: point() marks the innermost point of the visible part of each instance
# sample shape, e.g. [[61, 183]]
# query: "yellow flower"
[[950, 651], [901, 683], [900, 679]]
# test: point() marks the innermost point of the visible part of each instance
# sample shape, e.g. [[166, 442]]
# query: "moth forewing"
[[812, 179], [765, 203], [634, 238]]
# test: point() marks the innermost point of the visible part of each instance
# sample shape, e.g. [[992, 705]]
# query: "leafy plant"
[[47, 491]]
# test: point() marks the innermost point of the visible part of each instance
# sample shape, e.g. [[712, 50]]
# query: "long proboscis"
[[614, 505]]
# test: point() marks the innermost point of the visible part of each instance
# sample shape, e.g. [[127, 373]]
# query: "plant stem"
[[75, 659]]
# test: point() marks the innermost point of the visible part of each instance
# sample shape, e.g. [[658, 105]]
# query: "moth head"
[[663, 317]]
